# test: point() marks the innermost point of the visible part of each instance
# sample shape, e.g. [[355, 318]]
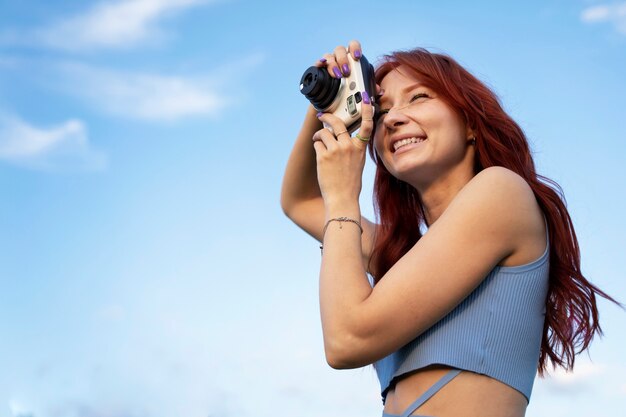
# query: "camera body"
[[340, 96]]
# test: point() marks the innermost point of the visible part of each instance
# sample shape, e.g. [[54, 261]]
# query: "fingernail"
[[337, 72], [366, 97], [320, 114], [323, 60], [357, 53], [346, 69]]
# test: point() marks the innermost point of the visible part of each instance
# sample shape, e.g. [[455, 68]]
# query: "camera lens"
[[319, 87]]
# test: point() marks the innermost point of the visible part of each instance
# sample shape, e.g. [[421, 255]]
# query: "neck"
[[437, 194]]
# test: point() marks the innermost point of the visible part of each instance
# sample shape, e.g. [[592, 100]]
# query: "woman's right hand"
[[337, 63], [301, 197]]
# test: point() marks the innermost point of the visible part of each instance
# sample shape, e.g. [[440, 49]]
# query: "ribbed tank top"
[[495, 331]]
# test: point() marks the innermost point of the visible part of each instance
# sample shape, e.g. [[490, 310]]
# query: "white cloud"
[[614, 13], [62, 147], [18, 409], [76, 408], [583, 371], [584, 374], [113, 24], [596, 14], [142, 95]]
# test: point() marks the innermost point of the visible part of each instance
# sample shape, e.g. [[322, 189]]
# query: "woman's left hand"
[[340, 157]]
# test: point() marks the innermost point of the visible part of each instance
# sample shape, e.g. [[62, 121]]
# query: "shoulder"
[[501, 203], [485, 224], [497, 191], [500, 182]]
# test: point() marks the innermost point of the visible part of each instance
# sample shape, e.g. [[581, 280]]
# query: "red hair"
[[571, 319]]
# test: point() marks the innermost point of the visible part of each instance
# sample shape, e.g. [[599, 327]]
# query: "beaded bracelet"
[[340, 220]]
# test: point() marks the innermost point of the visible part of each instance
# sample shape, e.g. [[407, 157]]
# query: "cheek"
[[378, 140], [450, 127]]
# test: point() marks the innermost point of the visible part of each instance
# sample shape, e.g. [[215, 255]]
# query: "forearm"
[[343, 285]]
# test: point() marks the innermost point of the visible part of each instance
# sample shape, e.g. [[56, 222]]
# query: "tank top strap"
[[431, 391]]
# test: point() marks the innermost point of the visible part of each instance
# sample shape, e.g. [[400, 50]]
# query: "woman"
[[461, 317]]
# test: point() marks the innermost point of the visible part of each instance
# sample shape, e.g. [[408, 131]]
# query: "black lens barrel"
[[319, 87]]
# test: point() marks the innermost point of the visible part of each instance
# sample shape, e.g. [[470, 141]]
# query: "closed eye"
[[418, 96], [379, 115]]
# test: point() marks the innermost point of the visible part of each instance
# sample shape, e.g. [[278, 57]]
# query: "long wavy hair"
[[571, 319]]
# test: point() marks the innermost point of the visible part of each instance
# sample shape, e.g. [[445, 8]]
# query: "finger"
[[336, 124], [316, 137], [323, 61], [319, 147], [332, 66], [326, 138], [355, 49], [367, 118], [341, 56]]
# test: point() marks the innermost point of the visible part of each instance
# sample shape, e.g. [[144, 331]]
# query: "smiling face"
[[419, 137]]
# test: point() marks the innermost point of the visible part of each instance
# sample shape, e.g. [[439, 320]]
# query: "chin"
[[407, 167]]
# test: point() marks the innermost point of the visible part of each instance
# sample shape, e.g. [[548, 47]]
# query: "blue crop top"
[[495, 331]]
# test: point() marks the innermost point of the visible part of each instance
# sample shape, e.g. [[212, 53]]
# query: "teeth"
[[403, 142]]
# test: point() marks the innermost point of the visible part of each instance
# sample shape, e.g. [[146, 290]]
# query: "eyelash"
[[419, 95], [415, 97]]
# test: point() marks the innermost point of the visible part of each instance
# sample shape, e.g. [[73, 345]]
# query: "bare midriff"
[[468, 395]]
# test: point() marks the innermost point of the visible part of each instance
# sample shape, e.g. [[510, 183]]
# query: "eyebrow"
[[379, 98]]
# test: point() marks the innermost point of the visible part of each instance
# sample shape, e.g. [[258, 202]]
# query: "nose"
[[395, 118]]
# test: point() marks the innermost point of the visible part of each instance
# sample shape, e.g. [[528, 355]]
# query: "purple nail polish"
[[357, 53], [323, 60], [346, 69], [320, 114], [337, 72], [366, 97]]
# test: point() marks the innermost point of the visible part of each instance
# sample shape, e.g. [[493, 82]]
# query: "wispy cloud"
[[106, 25], [145, 96], [19, 410], [64, 147], [85, 409], [614, 13], [585, 374]]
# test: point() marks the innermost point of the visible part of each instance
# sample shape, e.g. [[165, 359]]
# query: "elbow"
[[335, 360], [286, 205], [338, 363], [344, 354]]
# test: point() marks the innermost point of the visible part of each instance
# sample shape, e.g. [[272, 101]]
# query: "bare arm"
[[493, 216], [301, 198]]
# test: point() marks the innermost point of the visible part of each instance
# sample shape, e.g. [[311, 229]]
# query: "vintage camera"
[[340, 96]]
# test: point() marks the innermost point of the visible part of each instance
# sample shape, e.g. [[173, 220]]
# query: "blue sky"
[[146, 268]]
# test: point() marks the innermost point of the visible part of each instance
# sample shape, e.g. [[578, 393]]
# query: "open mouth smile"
[[406, 141]]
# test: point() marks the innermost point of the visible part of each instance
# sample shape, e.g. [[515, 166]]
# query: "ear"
[[470, 136]]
